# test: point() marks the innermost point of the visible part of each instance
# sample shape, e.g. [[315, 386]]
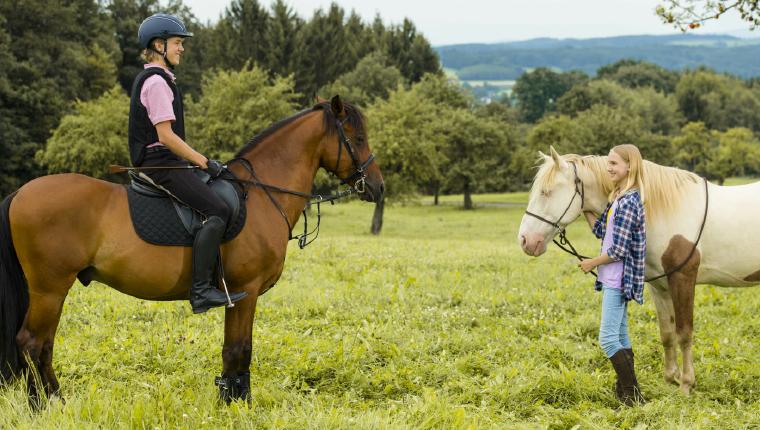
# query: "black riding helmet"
[[161, 26]]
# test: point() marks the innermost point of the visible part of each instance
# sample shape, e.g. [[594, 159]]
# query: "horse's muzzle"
[[372, 191], [532, 244]]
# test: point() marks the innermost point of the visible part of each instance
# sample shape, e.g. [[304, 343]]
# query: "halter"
[[564, 242], [359, 176], [579, 191]]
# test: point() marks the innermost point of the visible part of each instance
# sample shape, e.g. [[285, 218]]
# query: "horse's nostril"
[[522, 241]]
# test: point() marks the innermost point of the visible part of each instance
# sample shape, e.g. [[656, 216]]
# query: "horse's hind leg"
[[37, 336], [681, 286], [682, 290], [667, 320]]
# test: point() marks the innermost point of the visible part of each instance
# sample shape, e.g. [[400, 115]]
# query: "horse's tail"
[[14, 297]]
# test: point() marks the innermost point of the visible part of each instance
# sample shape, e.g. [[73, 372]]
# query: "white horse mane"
[[663, 186]]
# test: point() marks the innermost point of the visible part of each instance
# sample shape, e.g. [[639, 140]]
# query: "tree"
[[371, 78], [720, 101], [476, 151], [322, 52], [638, 74], [283, 30], [658, 112], [240, 36], [406, 133], [693, 148], [690, 14], [235, 106], [50, 55], [92, 137], [410, 52], [736, 154], [538, 91]]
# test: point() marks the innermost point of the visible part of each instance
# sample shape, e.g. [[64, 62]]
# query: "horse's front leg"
[[235, 382], [667, 321]]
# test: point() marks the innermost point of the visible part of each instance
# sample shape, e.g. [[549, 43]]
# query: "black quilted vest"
[[141, 130]]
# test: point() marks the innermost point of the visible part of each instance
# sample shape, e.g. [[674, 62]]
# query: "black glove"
[[214, 168]]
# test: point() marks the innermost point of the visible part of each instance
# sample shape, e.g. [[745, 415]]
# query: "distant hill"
[[504, 61]]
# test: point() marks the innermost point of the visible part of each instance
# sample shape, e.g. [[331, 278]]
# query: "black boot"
[[630, 393], [203, 296], [618, 389]]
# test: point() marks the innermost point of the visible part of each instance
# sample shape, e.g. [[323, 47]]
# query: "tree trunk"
[[436, 193], [377, 217], [467, 194]]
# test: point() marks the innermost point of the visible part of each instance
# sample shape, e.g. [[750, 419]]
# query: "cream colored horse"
[[675, 210]]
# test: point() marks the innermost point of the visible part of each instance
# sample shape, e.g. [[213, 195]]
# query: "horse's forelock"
[[354, 117]]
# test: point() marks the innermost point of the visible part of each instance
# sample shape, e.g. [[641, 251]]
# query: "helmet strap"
[[167, 63]]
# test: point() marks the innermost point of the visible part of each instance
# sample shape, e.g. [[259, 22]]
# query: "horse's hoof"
[[233, 388], [673, 378]]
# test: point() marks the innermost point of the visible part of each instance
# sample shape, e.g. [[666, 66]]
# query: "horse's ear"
[[544, 156], [556, 157], [336, 104]]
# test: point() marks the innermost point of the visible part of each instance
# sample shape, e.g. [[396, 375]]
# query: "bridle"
[[580, 190], [359, 177], [564, 242]]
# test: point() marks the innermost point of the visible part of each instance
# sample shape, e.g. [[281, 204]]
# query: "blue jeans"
[[613, 332]]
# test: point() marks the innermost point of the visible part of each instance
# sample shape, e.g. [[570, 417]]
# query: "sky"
[[446, 22]]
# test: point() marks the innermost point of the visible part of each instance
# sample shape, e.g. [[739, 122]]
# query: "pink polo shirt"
[[157, 97]]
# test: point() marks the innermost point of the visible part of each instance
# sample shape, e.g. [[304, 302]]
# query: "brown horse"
[[57, 228]]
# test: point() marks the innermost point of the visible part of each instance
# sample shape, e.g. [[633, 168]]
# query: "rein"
[[359, 176], [565, 245]]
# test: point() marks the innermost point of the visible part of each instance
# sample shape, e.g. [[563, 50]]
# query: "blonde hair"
[[635, 179], [149, 55]]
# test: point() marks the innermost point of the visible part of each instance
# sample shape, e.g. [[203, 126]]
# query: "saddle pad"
[[156, 221]]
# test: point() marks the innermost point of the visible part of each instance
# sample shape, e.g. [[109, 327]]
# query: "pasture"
[[440, 322]]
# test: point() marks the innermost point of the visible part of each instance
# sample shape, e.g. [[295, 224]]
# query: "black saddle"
[[161, 219]]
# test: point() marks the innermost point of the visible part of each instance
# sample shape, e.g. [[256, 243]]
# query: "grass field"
[[441, 322]]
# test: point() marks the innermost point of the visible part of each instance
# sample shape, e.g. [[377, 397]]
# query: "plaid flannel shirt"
[[629, 243]]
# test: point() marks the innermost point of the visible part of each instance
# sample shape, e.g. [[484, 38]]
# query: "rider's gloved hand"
[[214, 168]]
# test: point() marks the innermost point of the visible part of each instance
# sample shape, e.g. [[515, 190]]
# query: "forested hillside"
[[740, 57]]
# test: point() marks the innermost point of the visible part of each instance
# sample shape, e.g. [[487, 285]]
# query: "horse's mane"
[[663, 186], [353, 114]]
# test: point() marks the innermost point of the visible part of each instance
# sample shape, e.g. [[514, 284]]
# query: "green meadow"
[[441, 322]]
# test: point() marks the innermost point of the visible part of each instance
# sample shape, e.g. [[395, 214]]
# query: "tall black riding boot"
[[629, 353], [630, 393], [203, 296]]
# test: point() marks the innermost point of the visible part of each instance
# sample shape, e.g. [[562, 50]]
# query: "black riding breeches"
[[185, 184]]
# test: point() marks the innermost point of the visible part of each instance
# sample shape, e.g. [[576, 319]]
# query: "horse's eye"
[[545, 193]]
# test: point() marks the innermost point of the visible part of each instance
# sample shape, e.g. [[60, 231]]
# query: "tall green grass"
[[440, 322]]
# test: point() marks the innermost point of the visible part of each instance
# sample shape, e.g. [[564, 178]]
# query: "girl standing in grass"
[[621, 264]]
